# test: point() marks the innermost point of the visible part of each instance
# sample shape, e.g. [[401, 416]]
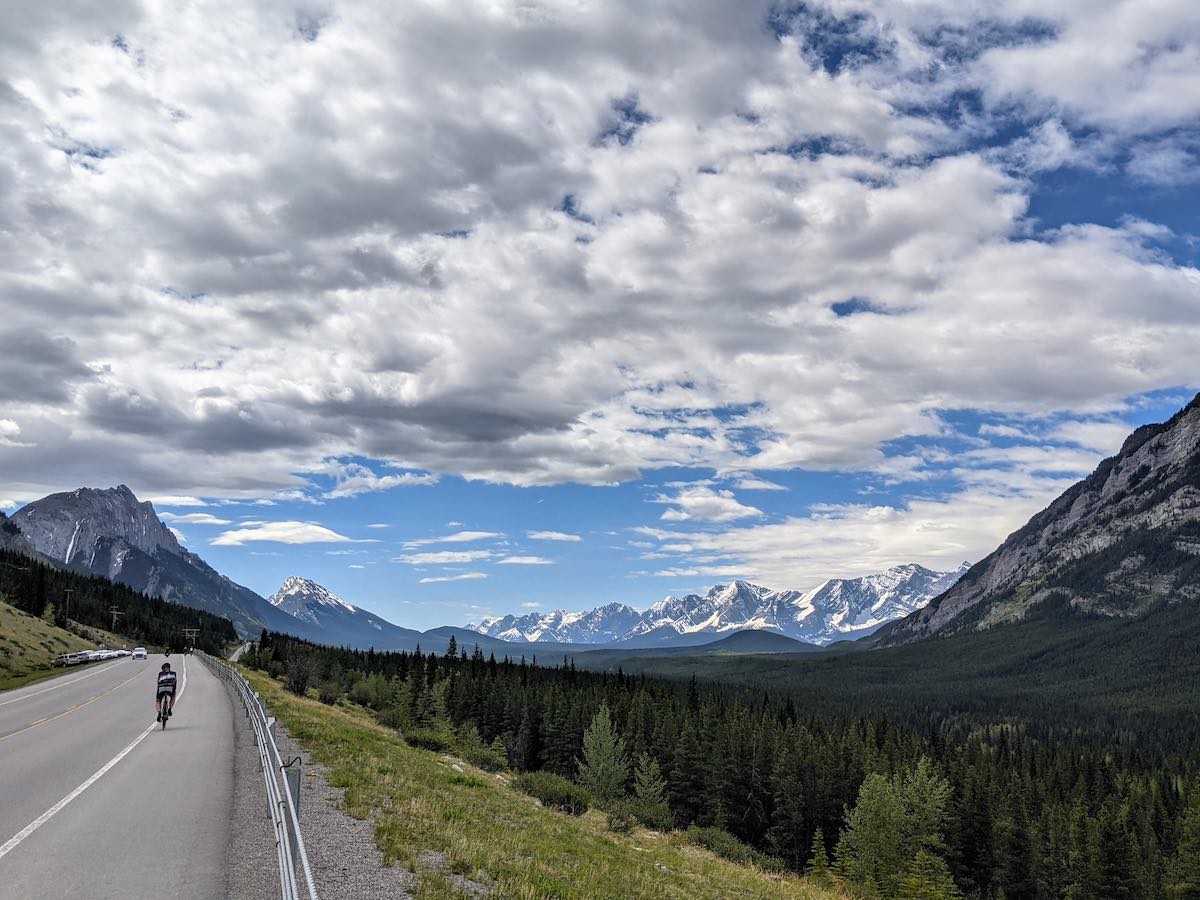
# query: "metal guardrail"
[[282, 782]]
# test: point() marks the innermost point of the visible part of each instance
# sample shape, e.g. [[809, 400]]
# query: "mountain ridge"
[[1116, 543], [837, 609]]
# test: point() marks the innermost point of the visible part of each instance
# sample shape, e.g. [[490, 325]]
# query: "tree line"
[[60, 595], [901, 811]]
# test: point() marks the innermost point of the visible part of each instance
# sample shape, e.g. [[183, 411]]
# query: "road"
[[97, 800]]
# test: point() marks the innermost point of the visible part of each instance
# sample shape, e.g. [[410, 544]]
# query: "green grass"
[[29, 645], [476, 826]]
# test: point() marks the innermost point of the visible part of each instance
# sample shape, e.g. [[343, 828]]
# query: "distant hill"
[[339, 622], [1120, 543], [755, 641]]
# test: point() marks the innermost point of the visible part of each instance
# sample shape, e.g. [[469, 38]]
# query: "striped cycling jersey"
[[166, 682]]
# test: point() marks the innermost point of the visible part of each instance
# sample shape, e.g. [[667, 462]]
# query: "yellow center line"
[[71, 709]]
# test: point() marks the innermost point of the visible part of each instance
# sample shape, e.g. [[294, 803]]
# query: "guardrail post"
[[291, 771]]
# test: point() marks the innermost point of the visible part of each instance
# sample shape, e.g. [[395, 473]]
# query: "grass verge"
[[28, 646], [478, 828]]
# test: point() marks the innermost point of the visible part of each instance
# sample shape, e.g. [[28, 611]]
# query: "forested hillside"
[[35, 587], [993, 812]]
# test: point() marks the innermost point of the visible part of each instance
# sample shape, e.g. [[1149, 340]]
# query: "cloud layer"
[[252, 253]]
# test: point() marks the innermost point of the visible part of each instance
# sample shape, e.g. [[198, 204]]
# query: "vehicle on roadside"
[[139, 652], [63, 659]]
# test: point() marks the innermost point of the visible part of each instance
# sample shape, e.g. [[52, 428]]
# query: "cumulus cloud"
[[289, 532], [466, 576], [503, 276], [553, 536], [705, 504]]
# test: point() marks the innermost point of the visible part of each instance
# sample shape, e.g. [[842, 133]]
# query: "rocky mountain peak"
[[68, 525]]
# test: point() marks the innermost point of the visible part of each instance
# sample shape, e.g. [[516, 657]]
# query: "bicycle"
[[164, 709]]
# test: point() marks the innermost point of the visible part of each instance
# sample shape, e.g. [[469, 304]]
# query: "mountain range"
[[838, 609]]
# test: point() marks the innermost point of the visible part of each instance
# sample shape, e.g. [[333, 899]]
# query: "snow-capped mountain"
[[339, 621], [838, 609]]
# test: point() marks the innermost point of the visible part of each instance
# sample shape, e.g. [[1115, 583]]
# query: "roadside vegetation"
[[895, 812], [67, 598], [28, 646], [460, 828]]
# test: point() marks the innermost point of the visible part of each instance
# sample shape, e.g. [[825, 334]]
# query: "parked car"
[[139, 652], [63, 659]]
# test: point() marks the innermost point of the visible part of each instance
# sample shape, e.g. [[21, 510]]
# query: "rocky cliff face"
[[1117, 543]]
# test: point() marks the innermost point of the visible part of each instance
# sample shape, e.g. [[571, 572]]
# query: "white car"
[[139, 652]]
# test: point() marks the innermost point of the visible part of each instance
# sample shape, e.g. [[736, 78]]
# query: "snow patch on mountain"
[[840, 608]]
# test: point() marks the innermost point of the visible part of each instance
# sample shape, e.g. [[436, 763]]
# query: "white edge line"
[[11, 844], [99, 669]]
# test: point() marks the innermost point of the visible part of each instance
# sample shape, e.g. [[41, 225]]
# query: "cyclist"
[[167, 679]]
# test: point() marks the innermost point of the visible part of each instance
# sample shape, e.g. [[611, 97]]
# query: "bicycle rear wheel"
[[164, 707]]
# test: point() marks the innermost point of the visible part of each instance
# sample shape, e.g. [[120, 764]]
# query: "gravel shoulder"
[[252, 871], [346, 862]]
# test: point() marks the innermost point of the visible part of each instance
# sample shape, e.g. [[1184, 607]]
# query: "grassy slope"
[[488, 832], [27, 646]]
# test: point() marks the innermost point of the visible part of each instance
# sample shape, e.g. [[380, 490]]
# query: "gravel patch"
[[346, 862]]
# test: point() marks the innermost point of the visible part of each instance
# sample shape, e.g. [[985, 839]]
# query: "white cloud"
[[754, 483], [289, 532], [356, 566], [466, 576], [195, 519], [443, 557], [174, 500], [524, 561], [459, 537], [553, 536], [379, 525], [705, 504], [413, 167], [531, 605], [179, 535]]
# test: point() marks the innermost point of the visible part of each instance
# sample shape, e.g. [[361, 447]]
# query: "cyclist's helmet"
[[165, 666]]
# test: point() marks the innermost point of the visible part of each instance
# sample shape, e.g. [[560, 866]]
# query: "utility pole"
[[67, 610], [116, 614], [190, 634]]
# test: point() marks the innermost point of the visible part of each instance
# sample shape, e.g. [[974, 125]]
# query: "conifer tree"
[[927, 878], [650, 794], [604, 769], [819, 863]]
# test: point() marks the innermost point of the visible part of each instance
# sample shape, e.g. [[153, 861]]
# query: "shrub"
[[653, 815], [554, 791], [485, 758], [726, 846], [300, 673], [329, 692], [391, 717], [620, 817], [425, 739]]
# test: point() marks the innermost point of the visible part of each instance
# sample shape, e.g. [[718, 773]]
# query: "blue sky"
[[762, 290]]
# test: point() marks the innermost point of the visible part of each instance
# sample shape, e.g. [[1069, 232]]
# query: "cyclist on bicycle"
[[167, 680]]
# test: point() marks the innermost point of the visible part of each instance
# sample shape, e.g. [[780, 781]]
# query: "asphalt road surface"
[[97, 800]]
